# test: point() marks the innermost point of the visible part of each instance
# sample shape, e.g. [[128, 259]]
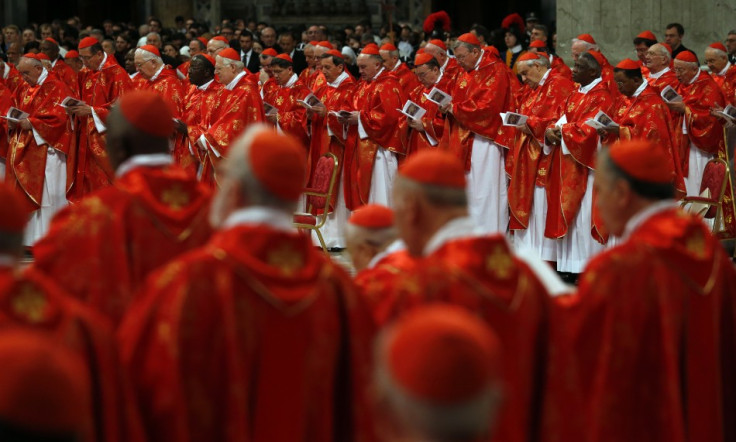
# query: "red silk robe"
[[6, 101], [452, 70], [292, 116], [26, 160], [14, 79], [478, 98], [119, 235], [647, 116], [254, 337], [645, 350], [138, 82], [67, 75], [558, 65], [312, 79], [433, 120], [377, 284], [31, 301], [200, 107], [378, 102], [544, 106], [99, 89], [483, 275], [728, 85], [568, 174], [242, 107], [664, 80], [406, 78]]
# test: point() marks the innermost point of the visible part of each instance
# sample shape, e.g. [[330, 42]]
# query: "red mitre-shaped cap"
[[537, 44], [279, 163], [41, 56], [643, 160], [44, 387], [285, 57], [388, 47], [718, 45], [434, 167], [152, 49], [148, 112], [420, 51], [230, 53], [271, 52], [325, 44], [527, 56], [439, 43], [687, 56], [373, 216], [442, 354], [335, 53], [220, 38], [207, 57], [420, 59], [598, 57], [71, 54], [586, 38], [469, 38], [628, 64], [668, 47], [203, 40], [87, 42], [51, 40], [13, 216], [649, 35]]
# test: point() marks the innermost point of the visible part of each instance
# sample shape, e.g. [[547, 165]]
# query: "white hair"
[[148, 56], [717, 52], [541, 60], [586, 45], [378, 238], [153, 33], [230, 62], [688, 64], [32, 61], [661, 50], [443, 51], [220, 43]]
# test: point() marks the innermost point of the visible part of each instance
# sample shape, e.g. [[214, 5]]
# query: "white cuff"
[[431, 140], [98, 122], [203, 141], [361, 131], [39, 139]]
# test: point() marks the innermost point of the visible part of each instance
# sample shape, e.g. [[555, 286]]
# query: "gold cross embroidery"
[[30, 304], [499, 263], [175, 198], [286, 259]]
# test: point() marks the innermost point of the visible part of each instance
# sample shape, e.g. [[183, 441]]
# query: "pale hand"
[[353, 118], [678, 107], [273, 118], [416, 124], [82, 110], [553, 136], [320, 110], [25, 124]]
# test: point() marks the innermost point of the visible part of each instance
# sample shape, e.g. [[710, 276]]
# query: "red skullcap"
[[649, 35], [388, 47], [314, 43], [152, 49], [44, 387], [643, 160], [598, 57], [271, 52], [668, 47], [203, 40], [207, 57], [230, 53], [420, 59], [469, 38], [31, 55], [443, 354], [285, 57], [220, 38], [335, 53], [325, 44], [527, 56], [628, 64], [41, 56], [439, 43], [13, 215], [537, 44], [148, 112], [71, 54], [370, 49], [586, 38], [373, 216], [434, 167], [87, 42], [420, 51], [718, 45], [279, 163], [51, 40], [687, 56]]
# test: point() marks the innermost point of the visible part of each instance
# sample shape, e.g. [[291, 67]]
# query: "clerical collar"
[[378, 74], [724, 70], [440, 77], [457, 228], [477, 63], [259, 215], [53, 63], [516, 49], [133, 75], [398, 63], [7, 261], [158, 72], [591, 85], [658, 74], [396, 246], [544, 77], [551, 57], [291, 81], [7, 71], [42, 77], [639, 218], [205, 86], [444, 66], [230, 86], [104, 60], [695, 77], [640, 89], [143, 160], [338, 81]]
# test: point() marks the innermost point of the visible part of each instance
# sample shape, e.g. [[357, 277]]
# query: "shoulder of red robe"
[[220, 38], [718, 45], [469, 38], [586, 38], [148, 112], [71, 54], [644, 160], [442, 354], [51, 40], [370, 49], [12, 215], [87, 42], [325, 44], [687, 56], [439, 43], [271, 52], [152, 49], [421, 59], [528, 56], [537, 44], [648, 35], [628, 64], [373, 216], [388, 47], [493, 51], [229, 53], [278, 162], [335, 53], [435, 167]]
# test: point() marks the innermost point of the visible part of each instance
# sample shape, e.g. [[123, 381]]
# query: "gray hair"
[[148, 56], [586, 45], [541, 60], [238, 64], [661, 50], [379, 238], [468, 46]]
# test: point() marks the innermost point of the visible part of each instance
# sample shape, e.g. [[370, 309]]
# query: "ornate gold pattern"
[[286, 259], [30, 304], [175, 197], [696, 244], [499, 263]]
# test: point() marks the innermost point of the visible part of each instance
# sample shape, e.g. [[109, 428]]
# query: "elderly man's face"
[[577, 49], [147, 68], [641, 52], [685, 71], [50, 49], [154, 39], [330, 69], [194, 48], [466, 58], [427, 75], [14, 53], [627, 86], [268, 37], [655, 59], [91, 61], [582, 73], [282, 75], [309, 56], [29, 71], [715, 62], [531, 74], [368, 67], [389, 61], [226, 74]]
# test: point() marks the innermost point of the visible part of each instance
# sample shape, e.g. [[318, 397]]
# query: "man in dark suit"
[[249, 57], [287, 41]]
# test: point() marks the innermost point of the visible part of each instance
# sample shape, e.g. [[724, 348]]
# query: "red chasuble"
[[14, 79], [378, 101], [117, 236], [433, 120], [484, 276], [567, 180], [377, 284], [313, 79], [255, 337], [452, 71], [407, 79], [26, 160], [32, 301], [728, 85], [292, 117], [6, 101], [645, 350], [558, 65], [544, 106], [99, 89], [67, 75], [200, 106], [664, 80]]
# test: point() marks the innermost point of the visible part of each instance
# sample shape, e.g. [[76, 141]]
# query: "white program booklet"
[[310, 101], [670, 95], [439, 97], [601, 121], [71, 101], [341, 113], [412, 110], [513, 119], [729, 112], [15, 115]]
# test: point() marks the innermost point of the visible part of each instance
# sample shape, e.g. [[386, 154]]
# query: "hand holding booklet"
[[601, 121], [412, 110], [15, 115], [670, 95], [514, 120], [439, 97], [310, 101], [269, 109], [729, 112], [70, 102], [342, 113]]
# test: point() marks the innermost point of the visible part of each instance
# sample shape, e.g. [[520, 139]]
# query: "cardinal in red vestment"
[[407, 80], [280, 103], [40, 156], [644, 351], [50, 47], [557, 64], [31, 301], [465, 267], [10, 77], [117, 236], [215, 343], [312, 77], [584, 43], [723, 72], [659, 58], [100, 86], [448, 65]]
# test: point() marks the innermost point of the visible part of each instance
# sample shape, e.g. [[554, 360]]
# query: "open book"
[[438, 96], [15, 115], [270, 109], [601, 121], [412, 110], [512, 119], [310, 101], [729, 112], [341, 113], [670, 95], [71, 101]]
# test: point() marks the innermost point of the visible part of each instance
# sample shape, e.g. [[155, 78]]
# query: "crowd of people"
[[523, 268]]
